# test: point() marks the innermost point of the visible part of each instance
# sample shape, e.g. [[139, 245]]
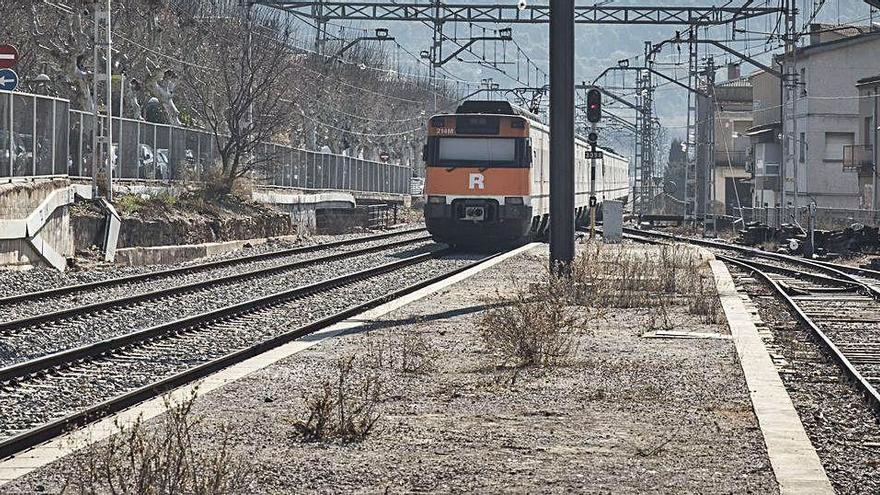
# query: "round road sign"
[[8, 80], [384, 156], [8, 56]]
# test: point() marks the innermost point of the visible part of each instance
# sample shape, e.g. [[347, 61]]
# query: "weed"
[[343, 408], [129, 204], [161, 458], [529, 332], [408, 352]]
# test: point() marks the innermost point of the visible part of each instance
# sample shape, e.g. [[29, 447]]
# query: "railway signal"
[[594, 105]]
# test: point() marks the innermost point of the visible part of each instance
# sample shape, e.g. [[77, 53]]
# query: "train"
[[487, 176]]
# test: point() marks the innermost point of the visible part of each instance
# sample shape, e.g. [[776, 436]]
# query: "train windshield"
[[480, 152]]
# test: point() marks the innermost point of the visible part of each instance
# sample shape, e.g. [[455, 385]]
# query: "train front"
[[477, 178]]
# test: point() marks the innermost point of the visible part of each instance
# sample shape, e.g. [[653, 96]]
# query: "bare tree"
[[246, 103]]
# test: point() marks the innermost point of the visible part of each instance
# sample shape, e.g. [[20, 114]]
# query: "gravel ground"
[[627, 415], [32, 402], [37, 341], [41, 278], [840, 425]]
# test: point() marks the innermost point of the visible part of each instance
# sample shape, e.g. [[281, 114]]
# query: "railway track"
[[53, 331], [171, 273], [838, 304], [44, 397]]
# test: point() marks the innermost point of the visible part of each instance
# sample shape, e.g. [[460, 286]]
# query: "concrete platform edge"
[[795, 462], [48, 452]]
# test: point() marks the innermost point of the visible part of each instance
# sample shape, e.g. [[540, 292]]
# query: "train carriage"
[[487, 177]]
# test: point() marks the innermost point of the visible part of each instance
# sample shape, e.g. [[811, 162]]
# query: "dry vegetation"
[[161, 458], [344, 408], [540, 325], [407, 353]]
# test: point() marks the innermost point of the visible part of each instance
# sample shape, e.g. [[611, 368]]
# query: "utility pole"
[[709, 166], [102, 136], [875, 146], [436, 40], [789, 83], [643, 190], [690, 168], [561, 135], [320, 26]]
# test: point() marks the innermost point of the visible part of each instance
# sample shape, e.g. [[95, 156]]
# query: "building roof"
[[847, 30], [868, 81], [858, 37]]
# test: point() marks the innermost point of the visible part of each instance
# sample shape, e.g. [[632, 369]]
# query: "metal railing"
[[732, 158], [858, 158], [144, 150], [33, 135]]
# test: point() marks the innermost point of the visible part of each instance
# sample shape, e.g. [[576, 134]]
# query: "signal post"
[[594, 115]]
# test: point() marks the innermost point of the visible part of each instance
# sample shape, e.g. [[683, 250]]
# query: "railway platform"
[[678, 396]]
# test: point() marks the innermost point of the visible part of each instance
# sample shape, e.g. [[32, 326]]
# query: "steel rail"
[[59, 291], [840, 271], [48, 431], [870, 392], [8, 327], [800, 274], [190, 323]]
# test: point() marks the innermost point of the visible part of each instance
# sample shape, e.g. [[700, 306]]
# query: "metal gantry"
[[511, 13], [559, 14]]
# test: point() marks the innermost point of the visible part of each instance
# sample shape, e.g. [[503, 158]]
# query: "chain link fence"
[[42, 136]]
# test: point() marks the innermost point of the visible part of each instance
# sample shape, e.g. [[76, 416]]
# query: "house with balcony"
[[732, 154], [723, 150], [822, 165], [765, 138], [827, 113], [862, 157]]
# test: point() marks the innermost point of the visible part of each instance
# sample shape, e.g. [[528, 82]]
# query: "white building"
[[827, 113]]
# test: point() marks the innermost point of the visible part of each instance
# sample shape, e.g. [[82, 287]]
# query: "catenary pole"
[[561, 135]]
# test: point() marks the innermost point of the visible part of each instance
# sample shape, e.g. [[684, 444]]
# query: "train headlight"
[[513, 200], [437, 200]]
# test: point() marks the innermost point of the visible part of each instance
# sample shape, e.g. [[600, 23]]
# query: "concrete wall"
[[17, 201]]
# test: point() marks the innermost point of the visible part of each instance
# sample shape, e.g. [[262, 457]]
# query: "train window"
[[479, 152]]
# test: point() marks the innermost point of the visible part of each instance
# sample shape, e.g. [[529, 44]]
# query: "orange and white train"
[[487, 177]]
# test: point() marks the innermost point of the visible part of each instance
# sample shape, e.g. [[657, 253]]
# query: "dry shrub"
[[704, 301], [661, 319], [344, 408], [409, 352], [162, 458], [528, 331]]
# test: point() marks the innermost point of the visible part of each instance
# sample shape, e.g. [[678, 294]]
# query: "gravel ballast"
[[841, 426], [628, 414], [41, 399], [28, 343], [42, 278]]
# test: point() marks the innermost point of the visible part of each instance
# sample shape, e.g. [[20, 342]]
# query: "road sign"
[[8, 56], [384, 156], [8, 80], [593, 154]]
